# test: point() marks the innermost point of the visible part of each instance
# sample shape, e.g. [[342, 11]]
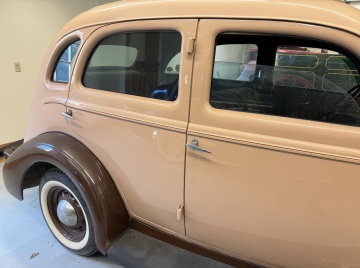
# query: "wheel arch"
[[25, 166]]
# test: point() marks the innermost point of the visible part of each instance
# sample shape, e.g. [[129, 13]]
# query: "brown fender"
[[30, 160]]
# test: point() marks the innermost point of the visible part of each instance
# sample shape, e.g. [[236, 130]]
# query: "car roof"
[[333, 13]]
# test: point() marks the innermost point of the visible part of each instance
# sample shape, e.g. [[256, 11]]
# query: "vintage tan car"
[[229, 128]]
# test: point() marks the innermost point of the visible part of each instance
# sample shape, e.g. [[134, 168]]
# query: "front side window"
[[284, 77], [145, 64], [62, 69]]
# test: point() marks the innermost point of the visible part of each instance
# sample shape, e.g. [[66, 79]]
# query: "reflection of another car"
[[329, 65]]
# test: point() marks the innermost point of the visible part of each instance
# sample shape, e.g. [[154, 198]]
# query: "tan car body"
[[278, 192]]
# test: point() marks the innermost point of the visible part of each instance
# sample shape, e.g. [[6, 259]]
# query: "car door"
[[272, 169], [130, 102]]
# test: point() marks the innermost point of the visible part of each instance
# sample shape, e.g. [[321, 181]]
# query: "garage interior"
[[27, 28]]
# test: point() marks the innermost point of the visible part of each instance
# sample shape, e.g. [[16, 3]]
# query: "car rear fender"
[[25, 166]]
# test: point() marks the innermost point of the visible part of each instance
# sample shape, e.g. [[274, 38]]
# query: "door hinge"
[[180, 213], [191, 46]]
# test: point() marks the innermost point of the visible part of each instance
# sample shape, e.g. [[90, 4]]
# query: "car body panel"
[[142, 139], [304, 11], [272, 188], [50, 98]]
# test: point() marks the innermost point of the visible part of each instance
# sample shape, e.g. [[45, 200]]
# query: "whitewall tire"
[[66, 213]]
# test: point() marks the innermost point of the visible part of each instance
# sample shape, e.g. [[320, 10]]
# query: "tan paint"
[[274, 189], [325, 12], [44, 115], [141, 139]]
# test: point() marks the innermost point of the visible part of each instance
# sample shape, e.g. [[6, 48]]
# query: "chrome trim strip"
[[131, 120], [265, 146]]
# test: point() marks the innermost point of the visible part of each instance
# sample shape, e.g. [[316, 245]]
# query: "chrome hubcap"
[[66, 213]]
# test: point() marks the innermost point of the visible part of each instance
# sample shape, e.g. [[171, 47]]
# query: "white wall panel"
[[26, 30]]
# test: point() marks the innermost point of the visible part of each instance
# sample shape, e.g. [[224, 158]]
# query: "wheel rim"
[[74, 231]]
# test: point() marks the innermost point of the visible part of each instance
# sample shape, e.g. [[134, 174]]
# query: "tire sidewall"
[[55, 178]]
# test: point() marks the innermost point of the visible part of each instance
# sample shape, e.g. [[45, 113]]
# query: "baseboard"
[[3, 145], [2, 158], [11, 145]]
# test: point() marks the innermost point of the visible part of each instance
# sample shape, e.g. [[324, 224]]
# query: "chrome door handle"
[[68, 114], [194, 145]]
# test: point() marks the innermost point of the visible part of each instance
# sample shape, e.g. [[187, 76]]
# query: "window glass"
[[113, 55], [143, 64], [62, 70], [235, 61], [303, 82]]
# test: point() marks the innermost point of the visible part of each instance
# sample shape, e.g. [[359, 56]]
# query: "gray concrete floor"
[[23, 232]]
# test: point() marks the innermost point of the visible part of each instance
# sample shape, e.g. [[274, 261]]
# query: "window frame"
[[127, 106], [96, 46], [71, 63]]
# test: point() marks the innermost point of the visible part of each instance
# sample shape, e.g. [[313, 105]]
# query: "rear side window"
[[285, 77], [136, 63], [62, 69]]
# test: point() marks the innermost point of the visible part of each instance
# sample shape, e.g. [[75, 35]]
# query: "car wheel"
[[66, 213]]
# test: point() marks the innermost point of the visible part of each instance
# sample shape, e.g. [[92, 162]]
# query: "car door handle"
[[194, 145], [68, 114]]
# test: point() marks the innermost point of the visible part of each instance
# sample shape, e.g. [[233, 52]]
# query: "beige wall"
[[26, 29]]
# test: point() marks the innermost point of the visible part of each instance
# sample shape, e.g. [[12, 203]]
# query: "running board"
[[137, 250]]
